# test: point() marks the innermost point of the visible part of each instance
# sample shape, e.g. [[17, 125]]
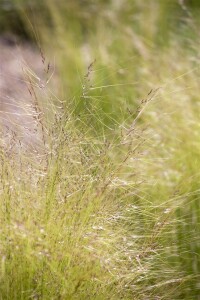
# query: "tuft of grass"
[[61, 199], [102, 200]]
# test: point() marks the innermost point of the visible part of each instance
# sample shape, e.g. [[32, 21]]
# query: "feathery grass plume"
[[104, 203]]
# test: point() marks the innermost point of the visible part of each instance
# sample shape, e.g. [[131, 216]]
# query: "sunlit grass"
[[106, 204]]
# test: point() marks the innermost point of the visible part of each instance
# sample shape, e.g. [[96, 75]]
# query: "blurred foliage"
[[86, 13]]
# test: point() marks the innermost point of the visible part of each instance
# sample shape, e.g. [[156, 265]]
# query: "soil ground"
[[16, 60]]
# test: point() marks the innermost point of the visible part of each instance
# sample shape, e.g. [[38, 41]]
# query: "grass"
[[105, 205]]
